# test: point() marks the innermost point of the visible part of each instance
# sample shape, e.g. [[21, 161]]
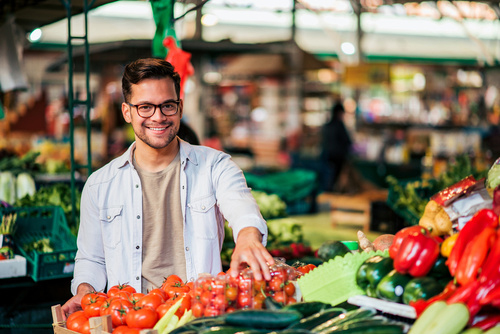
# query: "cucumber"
[[291, 331], [360, 313], [307, 308], [356, 323], [452, 319], [207, 321], [223, 330], [494, 330], [267, 319], [318, 318], [427, 317], [377, 329]]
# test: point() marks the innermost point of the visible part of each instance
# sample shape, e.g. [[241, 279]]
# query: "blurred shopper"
[[160, 208], [336, 145]]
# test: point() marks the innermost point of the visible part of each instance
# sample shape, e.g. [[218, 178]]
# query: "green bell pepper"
[[440, 270], [421, 288], [371, 272], [391, 287]]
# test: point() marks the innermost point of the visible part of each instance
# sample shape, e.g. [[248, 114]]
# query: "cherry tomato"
[[211, 312], [231, 293], [291, 300], [304, 269], [276, 284], [244, 300], [289, 289], [198, 310], [141, 317], [120, 287], [259, 286], [280, 297], [206, 298], [220, 302]]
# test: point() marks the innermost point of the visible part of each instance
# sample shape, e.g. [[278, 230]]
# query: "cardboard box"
[[15, 267]]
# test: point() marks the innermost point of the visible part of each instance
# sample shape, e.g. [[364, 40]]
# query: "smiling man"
[[160, 208]]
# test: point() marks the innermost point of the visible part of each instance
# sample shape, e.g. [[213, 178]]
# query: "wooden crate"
[[352, 209], [98, 325]]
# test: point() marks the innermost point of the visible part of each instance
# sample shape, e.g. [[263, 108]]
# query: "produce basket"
[[36, 223]]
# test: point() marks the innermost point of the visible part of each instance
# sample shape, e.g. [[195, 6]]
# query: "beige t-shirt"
[[162, 227]]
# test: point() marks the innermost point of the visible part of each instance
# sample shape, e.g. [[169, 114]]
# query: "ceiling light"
[[209, 20], [348, 48]]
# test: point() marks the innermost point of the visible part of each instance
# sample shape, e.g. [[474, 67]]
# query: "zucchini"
[[427, 317], [494, 330], [267, 319], [308, 308], [360, 313], [389, 328], [291, 331], [450, 320], [318, 318], [207, 321]]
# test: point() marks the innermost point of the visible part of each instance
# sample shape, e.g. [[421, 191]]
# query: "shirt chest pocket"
[[203, 214], [111, 224]]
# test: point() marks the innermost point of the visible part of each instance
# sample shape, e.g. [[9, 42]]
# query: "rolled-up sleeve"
[[235, 199], [89, 261]]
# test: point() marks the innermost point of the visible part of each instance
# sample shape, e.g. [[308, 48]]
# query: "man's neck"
[[155, 160]]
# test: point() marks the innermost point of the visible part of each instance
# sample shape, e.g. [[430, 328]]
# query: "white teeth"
[[157, 129]]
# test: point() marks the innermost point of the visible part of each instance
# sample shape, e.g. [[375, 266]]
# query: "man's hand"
[[249, 250], [75, 303]]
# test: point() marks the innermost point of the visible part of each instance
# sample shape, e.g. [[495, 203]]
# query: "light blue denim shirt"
[[213, 189]]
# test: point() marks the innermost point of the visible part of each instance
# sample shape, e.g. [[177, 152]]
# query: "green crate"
[[34, 223]]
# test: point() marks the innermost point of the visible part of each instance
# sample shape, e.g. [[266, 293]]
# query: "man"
[[160, 208]]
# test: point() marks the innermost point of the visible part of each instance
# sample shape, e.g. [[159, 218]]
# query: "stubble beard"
[[154, 142]]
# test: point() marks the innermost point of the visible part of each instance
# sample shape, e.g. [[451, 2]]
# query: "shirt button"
[[137, 278], [109, 217], [182, 187], [187, 249], [203, 207], [138, 217], [137, 247], [137, 186], [191, 279]]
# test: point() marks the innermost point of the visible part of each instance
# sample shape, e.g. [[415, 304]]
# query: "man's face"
[[157, 131]]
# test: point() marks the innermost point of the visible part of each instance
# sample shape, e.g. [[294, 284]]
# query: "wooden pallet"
[[98, 325]]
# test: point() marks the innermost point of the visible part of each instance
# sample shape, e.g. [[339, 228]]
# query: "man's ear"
[[126, 109], [181, 108]]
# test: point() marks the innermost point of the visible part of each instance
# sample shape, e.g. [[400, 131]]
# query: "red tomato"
[[125, 330], [159, 292], [172, 279], [304, 269], [162, 309], [259, 286], [291, 300], [151, 300], [175, 289], [280, 297], [135, 297], [276, 284], [93, 309], [79, 323], [220, 302], [120, 287], [118, 311], [245, 284], [185, 305], [122, 295], [92, 297], [75, 314], [141, 317], [198, 310], [206, 298]]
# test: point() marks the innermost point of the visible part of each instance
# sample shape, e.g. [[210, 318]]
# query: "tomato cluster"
[[131, 311], [224, 294]]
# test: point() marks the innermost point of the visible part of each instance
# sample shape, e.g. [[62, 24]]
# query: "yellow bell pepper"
[[448, 244]]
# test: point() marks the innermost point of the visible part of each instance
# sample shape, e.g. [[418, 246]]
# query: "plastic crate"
[[34, 223]]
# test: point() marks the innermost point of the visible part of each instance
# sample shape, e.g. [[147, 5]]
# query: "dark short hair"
[[148, 68]]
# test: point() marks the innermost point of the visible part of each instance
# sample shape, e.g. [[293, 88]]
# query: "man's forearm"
[[84, 288]]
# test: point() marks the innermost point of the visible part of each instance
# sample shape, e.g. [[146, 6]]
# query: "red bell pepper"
[[463, 293], [490, 321], [492, 261], [417, 254], [482, 219], [399, 237], [474, 256]]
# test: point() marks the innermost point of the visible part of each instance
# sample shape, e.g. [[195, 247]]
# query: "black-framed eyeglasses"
[[147, 110]]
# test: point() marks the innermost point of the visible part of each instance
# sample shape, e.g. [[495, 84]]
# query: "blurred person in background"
[[336, 145]]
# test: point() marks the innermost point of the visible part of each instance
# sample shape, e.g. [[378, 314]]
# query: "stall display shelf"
[[35, 223], [15, 267]]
